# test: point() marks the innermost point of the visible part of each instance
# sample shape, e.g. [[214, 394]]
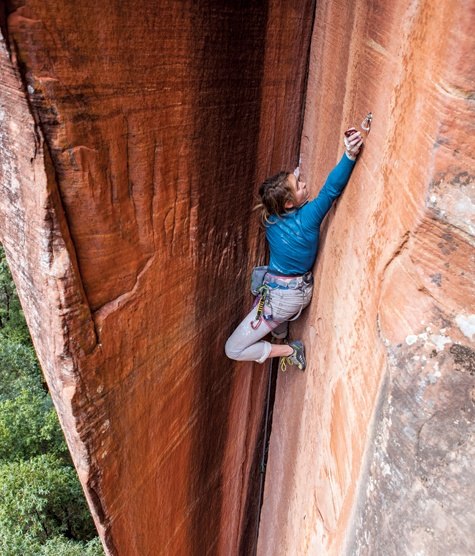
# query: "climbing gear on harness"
[[366, 123], [297, 357], [257, 278], [273, 282], [263, 292]]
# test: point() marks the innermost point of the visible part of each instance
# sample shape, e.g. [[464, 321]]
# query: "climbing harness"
[[276, 282], [290, 283], [366, 123]]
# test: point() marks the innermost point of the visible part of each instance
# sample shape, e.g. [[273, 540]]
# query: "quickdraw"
[[263, 293], [366, 123]]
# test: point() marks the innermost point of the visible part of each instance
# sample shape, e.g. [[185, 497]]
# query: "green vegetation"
[[43, 511]]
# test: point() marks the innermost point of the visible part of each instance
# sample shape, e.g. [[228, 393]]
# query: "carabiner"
[[366, 123]]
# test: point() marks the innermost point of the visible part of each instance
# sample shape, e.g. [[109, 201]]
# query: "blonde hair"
[[275, 192]]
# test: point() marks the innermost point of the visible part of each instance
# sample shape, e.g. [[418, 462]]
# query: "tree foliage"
[[29, 427], [43, 497], [12, 320], [42, 507], [19, 368]]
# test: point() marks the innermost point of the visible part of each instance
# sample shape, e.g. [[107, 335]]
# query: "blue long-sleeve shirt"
[[293, 237]]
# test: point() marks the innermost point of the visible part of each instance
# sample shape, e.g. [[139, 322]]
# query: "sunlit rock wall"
[[133, 136], [392, 320]]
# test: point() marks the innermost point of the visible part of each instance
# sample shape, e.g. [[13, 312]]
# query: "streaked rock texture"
[[132, 138], [133, 135], [394, 298]]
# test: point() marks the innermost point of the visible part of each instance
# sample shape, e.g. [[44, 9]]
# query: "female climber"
[[292, 227]]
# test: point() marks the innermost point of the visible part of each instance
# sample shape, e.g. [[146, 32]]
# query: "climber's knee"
[[232, 350]]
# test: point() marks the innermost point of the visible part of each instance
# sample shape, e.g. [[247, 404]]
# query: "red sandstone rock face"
[[132, 139], [393, 298], [131, 142]]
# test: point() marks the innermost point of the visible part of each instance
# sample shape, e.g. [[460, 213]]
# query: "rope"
[[262, 467]]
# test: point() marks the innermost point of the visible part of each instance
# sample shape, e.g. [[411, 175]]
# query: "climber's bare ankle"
[[280, 350]]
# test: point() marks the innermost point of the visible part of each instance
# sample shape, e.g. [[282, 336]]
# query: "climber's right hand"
[[353, 143]]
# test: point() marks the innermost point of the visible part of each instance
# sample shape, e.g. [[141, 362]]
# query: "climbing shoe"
[[297, 357]]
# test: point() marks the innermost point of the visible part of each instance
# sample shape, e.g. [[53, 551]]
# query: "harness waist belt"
[[288, 282]]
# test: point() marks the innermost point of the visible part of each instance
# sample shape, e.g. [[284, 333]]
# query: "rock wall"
[[133, 136], [390, 332]]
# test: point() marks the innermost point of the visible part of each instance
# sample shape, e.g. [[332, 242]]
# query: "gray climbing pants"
[[246, 343]]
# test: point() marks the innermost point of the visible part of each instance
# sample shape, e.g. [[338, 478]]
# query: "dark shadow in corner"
[[255, 494], [232, 39]]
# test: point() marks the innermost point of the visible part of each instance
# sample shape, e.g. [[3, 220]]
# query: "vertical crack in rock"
[[403, 245], [312, 10], [255, 489], [225, 32]]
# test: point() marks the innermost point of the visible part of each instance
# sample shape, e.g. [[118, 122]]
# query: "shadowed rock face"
[[133, 136], [393, 298]]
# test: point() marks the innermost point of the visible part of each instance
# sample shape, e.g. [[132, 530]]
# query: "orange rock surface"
[[133, 137], [396, 268]]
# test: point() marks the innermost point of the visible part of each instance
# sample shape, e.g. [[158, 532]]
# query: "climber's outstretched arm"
[[337, 179]]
